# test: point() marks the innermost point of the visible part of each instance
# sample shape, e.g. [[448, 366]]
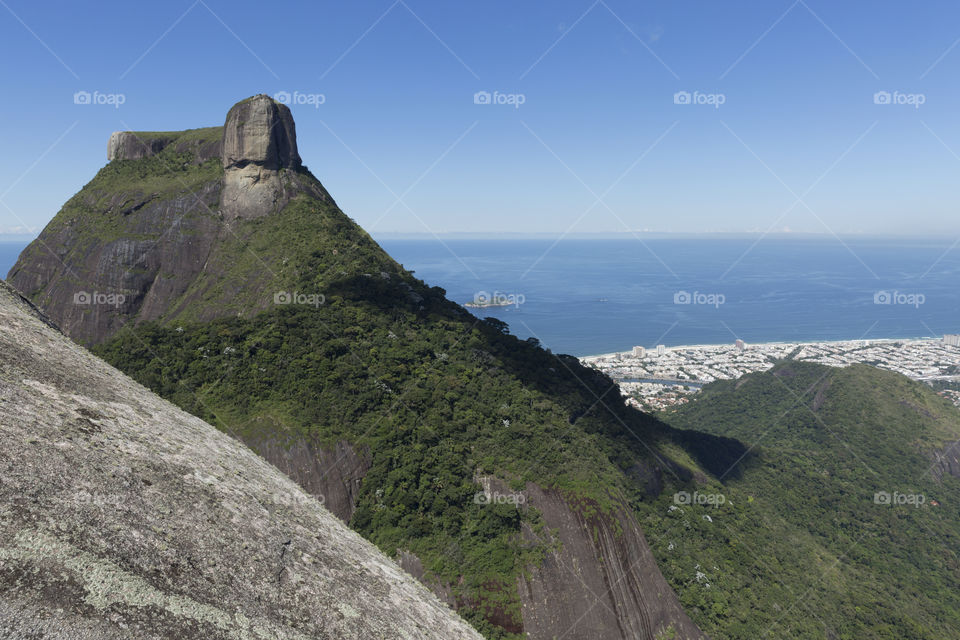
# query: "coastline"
[[688, 347]]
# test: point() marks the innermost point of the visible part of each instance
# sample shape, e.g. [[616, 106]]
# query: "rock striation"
[[259, 141], [599, 581], [122, 517], [260, 131]]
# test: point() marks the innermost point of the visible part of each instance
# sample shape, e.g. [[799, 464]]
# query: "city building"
[[639, 352], [952, 339], [740, 344], [661, 349]]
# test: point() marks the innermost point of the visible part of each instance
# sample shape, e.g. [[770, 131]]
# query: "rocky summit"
[[123, 517], [259, 140], [160, 231]]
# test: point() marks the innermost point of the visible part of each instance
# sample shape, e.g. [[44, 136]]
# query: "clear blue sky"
[[598, 80]]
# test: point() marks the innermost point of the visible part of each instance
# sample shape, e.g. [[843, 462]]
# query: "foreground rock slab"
[[121, 516]]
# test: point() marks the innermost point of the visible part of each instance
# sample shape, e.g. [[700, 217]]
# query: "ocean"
[[9, 251], [586, 296]]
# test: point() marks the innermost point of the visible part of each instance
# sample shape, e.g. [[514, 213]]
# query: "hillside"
[[125, 517], [843, 520], [505, 477]]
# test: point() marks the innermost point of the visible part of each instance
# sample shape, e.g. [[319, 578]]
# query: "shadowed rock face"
[[333, 474], [600, 582], [62, 273], [123, 517], [946, 462]]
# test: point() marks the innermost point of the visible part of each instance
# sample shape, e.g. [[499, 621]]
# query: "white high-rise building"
[[740, 344], [639, 352], [952, 339], [661, 349]]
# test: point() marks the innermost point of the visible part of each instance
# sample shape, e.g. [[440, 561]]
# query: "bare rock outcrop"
[[261, 131], [332, 474], [123, 517], [127, 145], [135, 145], [600, 581], [93, 289], [946, 461], [259, 141]]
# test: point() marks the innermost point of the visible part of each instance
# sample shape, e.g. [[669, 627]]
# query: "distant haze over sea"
[[586, 296]]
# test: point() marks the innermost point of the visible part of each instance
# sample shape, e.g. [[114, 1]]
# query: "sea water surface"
[[9, 252], [587, 297]]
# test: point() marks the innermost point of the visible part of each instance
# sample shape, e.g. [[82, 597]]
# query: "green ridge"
[[800, 548]]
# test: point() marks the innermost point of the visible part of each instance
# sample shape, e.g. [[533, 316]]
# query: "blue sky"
[[598, 145]]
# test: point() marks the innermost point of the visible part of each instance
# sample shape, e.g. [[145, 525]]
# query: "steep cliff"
[[123, 517], [252, 301]]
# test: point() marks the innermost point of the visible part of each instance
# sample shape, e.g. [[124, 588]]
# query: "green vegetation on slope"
[[434, 394], [101, 211], [434, 397], [800, 547]]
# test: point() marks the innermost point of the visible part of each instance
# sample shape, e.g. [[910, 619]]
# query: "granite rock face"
[[126, 145], [331, 474], [946, 461], [601, 581], [123, 517], [133, 145], [93, 290], [259, 140], [260, 131]]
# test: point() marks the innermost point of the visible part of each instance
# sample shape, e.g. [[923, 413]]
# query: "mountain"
[[164, 231], [213, 267], [124, 517], [843, 521]]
